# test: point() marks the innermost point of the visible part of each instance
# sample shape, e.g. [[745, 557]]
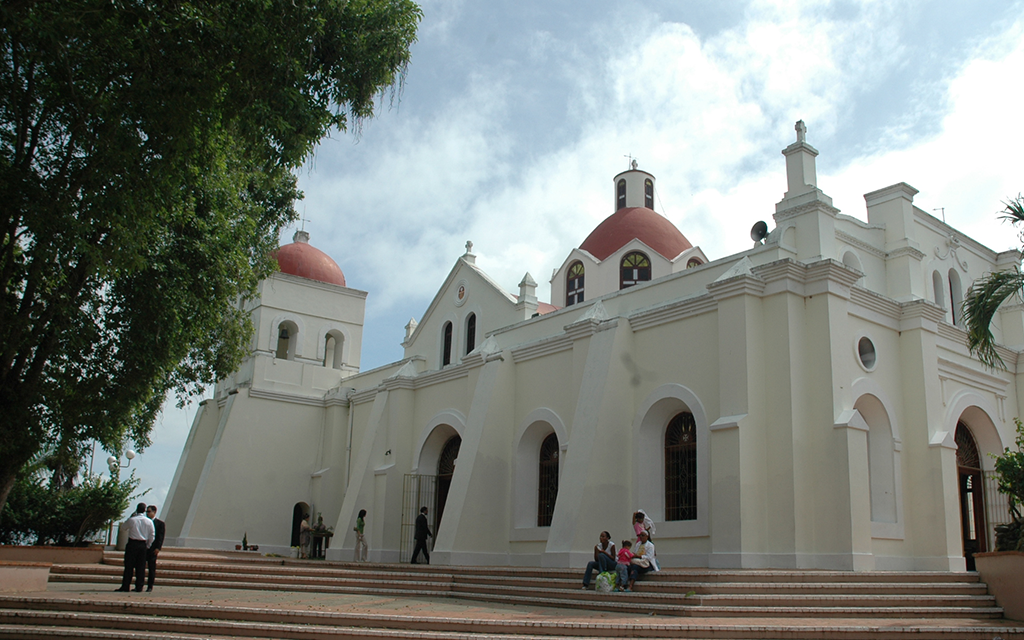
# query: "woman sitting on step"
[[644, 559]]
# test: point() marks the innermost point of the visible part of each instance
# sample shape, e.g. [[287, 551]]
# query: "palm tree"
[[987, 293]]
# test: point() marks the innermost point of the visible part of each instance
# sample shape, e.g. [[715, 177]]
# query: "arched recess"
[[851, 260], [885, 469], [437, 431], [979, 509], [976, 411], [298, 511], [939, 289], [287, 338], [538, 425], [650, 425]]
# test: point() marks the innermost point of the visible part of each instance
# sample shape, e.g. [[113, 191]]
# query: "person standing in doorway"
[[304, 536], [141, 534], [154, 549], [361, 549], [422, 533]]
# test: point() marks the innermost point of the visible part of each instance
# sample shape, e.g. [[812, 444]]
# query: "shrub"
[[38, 513], [1010, 473]]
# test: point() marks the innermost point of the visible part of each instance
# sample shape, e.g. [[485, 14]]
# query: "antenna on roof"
[[943, 210], [632, 161]]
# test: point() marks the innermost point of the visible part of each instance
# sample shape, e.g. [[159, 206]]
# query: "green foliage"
[[37, 512], [1010, 473], [147, 152], [988, 293]]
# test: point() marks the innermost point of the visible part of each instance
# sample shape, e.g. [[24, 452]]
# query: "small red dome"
[[306, 261], [641, 223]]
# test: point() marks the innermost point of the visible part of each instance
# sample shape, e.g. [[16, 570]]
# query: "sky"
[[514, 117]]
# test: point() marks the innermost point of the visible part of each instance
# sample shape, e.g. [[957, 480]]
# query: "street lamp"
[[115, 463]]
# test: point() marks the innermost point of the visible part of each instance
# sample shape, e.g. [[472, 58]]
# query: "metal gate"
[[997, 507], [417, 491]]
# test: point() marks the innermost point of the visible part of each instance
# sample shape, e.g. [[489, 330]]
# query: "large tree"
[[147, 152], [988, 293]]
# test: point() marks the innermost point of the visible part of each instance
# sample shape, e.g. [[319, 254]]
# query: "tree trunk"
[[7, 477]]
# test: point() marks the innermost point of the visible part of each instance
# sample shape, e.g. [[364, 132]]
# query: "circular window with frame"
[[461, 293], [867, 357]]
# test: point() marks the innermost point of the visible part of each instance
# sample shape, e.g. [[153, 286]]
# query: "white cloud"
[[974, 162]]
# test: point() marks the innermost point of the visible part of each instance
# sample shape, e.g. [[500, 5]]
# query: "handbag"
[[641, 562]]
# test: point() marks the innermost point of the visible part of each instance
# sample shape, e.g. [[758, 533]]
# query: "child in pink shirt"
[[622, 565]]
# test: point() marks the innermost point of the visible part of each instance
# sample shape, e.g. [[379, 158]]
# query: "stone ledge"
[[53, 555], [24, 576], [1002, 571]]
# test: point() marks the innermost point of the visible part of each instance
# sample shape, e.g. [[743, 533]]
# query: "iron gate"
[[417, 491]]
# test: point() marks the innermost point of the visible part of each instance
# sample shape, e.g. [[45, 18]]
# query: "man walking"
[[141, 533], [154, 549], [422, 533]]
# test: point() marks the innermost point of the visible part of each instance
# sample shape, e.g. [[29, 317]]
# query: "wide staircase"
[[674, 603]]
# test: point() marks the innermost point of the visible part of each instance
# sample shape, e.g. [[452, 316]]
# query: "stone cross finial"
[[469, 246], [801, 131]]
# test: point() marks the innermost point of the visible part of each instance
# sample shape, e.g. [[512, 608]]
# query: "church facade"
[[807, 403]]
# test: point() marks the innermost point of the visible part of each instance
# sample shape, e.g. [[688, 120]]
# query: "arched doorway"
[[445, 471], [300, 509], [972, 498]]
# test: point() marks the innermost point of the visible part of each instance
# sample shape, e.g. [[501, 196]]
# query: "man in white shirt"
[[141, 534]]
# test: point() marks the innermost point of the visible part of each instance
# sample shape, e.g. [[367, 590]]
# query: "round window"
[[866, 353]]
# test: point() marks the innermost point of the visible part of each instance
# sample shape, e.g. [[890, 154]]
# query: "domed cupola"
[[306, 261], [635, 218]]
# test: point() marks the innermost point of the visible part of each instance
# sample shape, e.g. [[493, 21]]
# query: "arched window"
[[574, 284], [471, 332], [636, 268], [287, 339], [548, 486], [446, 347], [334, 345], [956, 296], [693, 262], [681, 468], [649, 194], [620, 195]]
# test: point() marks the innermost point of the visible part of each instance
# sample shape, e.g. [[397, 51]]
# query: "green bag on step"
[[606, 582]]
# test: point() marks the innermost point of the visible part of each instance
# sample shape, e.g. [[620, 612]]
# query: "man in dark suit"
[[154, 549], [422, 533]]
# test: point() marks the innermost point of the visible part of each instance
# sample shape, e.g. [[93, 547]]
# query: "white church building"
[[807, 403]]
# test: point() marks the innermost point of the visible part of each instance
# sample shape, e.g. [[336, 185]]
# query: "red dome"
[[641, 223], [306, 261]]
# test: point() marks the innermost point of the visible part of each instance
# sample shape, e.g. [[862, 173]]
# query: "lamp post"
[[115, 463]]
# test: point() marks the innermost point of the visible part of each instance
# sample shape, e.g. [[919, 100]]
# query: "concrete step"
[[684, 592], [575, 574], [43, 617], [721, 606]]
